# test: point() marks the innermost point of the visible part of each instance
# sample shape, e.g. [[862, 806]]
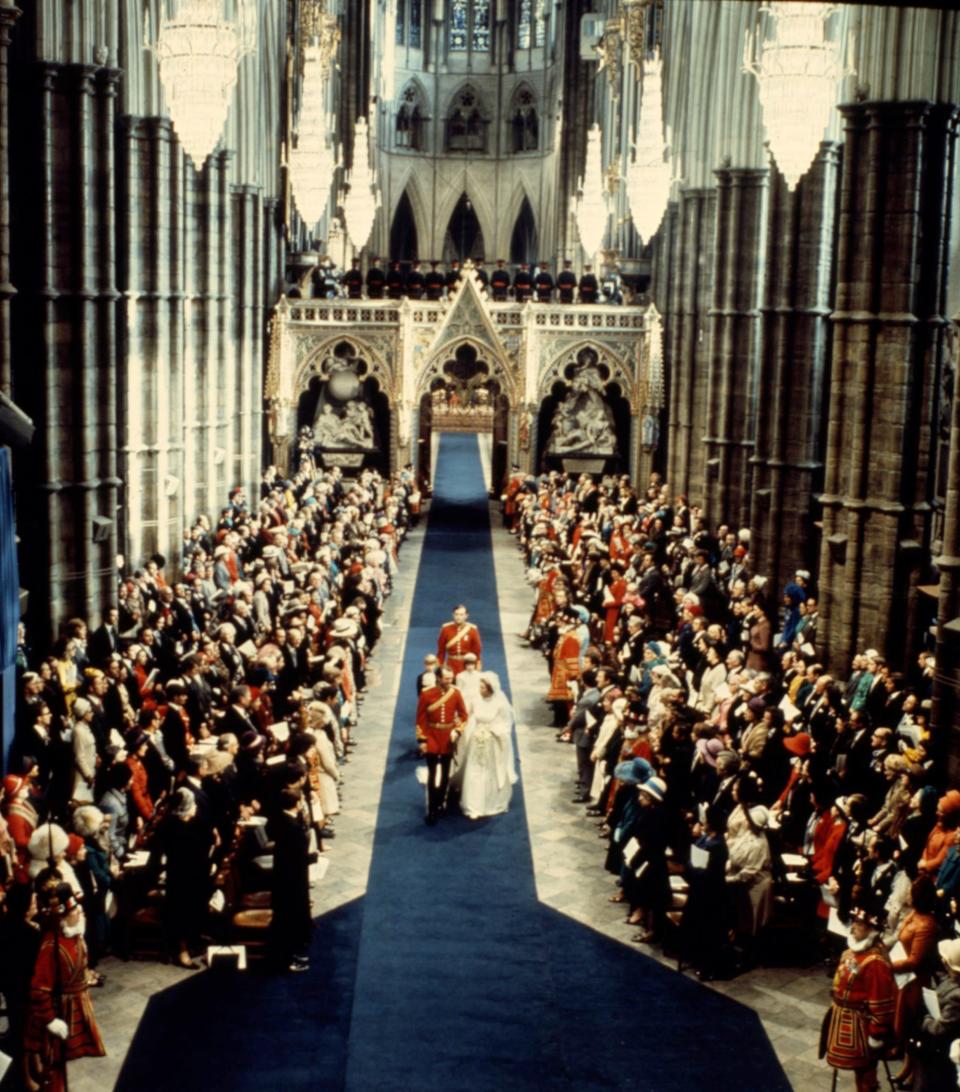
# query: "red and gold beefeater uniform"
[[566, 667], [455, 641], [864, 1000], [83, 1036], [438, 714]]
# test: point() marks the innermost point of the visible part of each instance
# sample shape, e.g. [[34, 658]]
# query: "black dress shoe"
[[594, 811], [580, 799]]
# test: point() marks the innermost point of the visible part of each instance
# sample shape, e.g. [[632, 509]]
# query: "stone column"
[[248, 334], [687, 341], [8, 16], [739, 262], [153, 250], [662, 283], [64, 338], [794, 363], [887, 337], [946, 683]]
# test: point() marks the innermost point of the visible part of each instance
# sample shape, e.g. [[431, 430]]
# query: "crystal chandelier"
[[360, 203], [314, 160], [648, 175], [798, 72], [591, 211], [198, 51]]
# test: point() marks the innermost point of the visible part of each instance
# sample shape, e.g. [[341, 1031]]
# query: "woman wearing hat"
[[935, 1070], [644, 879], [186, 843]]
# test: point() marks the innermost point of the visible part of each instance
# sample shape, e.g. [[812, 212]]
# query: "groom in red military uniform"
[[457, 638], [858, 1026], [441, 715]]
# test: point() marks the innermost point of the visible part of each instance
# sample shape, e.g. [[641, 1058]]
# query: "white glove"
[[875, 1044], [58, 1028]]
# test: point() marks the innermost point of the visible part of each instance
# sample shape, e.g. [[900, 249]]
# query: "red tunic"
[[864, 998], [83, 1036], [612, 604], [455, 641], [566, 667], [438, 714]]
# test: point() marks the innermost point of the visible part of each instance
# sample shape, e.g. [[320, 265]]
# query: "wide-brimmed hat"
[[708, 749], [801, 744], [654, 787], [950, 954], [634, 771]]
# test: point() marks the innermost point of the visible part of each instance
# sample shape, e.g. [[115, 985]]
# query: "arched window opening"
[[466, 127], [403, 232], [524, 123], [523, 243], [469, 26], [531, 24], [464, 237], [409, 121]]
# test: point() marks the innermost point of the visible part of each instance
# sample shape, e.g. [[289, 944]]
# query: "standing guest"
[[186, 844], [19, 941], [456, 639], [290, 884], [863, 1001], [85, 760], [60, 1023], [441, 716], [936, 1069]]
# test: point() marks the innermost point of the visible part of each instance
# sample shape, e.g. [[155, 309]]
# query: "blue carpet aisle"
[[449, 974]]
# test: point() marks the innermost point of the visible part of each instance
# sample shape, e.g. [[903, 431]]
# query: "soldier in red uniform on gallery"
[[441, 715], [858, 1026], [456, 639]]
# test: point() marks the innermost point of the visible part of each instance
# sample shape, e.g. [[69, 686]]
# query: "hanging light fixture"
[[798, 72], [591, 211], [198, 52], [361, 201], [648, 175], [314, 160]]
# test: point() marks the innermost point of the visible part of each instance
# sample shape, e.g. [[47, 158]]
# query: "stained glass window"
[[459, 14], [523, 26], [481, 25], [415, 20], [401, 8]]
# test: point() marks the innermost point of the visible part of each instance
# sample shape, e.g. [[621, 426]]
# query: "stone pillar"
[[152, 210], [739, 262], [794, 363], [662, 283], [64, 338], [946, 682], [8, 16], [687, 341], [248, 223], [887, 337]]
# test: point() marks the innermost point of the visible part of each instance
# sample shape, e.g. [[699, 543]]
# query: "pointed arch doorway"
[[464, 237], [466, 394], [523, 242]]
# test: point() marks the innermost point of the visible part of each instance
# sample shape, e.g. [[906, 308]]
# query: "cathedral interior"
[[700, 243]]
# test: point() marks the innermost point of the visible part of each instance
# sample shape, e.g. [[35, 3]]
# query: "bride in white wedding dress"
[[488, 766]]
